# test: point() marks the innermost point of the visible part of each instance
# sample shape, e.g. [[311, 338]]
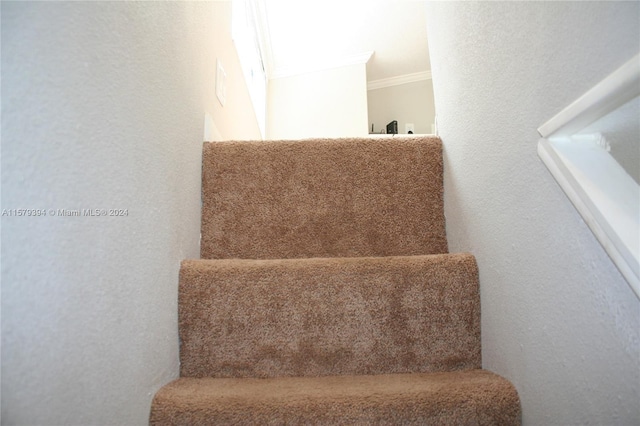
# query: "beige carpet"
[[313, 317], [473, 397], [322, 198], [325, 293]]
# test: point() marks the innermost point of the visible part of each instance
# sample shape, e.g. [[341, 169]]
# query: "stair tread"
[[322, 198], [460, 397], [323, 316]]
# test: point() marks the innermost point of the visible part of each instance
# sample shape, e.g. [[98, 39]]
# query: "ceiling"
[[308, 35]]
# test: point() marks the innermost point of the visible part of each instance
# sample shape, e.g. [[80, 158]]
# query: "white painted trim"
[[611, 93], [398, 135], [361, 58], [604, 195], [398, 80]]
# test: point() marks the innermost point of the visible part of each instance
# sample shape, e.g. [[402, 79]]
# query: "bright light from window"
[[246, 38]]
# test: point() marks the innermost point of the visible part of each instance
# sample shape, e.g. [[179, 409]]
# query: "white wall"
[[407, 103], [103, 107], [558, 319], [327, 103]]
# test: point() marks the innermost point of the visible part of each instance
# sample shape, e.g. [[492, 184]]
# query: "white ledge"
[[611, 93], [398, 80], [326, 64], [605, 195]]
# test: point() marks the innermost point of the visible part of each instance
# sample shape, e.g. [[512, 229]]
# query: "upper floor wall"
[[324, 103]]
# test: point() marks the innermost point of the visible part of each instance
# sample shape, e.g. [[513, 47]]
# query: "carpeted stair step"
[[472, 397], [329, 316], [322, 198], [325, 293]]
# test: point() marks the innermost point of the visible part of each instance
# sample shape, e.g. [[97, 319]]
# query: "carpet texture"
[[326, 293], [324, 316], [322, 198], [474, 397]]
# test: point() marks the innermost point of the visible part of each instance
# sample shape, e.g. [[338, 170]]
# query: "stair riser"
[[322, 198], [315, 317]]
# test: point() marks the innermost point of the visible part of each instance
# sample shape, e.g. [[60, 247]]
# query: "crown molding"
[[398, 80], [360, 58]]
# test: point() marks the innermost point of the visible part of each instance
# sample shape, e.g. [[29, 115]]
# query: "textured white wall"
[[558, 319], [103, 106], [407, 103], [327, 103]]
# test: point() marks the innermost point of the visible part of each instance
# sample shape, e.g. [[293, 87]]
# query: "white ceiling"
[[307, 35]]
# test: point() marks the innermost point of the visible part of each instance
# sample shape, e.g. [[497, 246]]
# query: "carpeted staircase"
[[326, 293]]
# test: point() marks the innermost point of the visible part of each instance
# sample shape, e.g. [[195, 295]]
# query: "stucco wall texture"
[[102, 108], [558, 319]]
